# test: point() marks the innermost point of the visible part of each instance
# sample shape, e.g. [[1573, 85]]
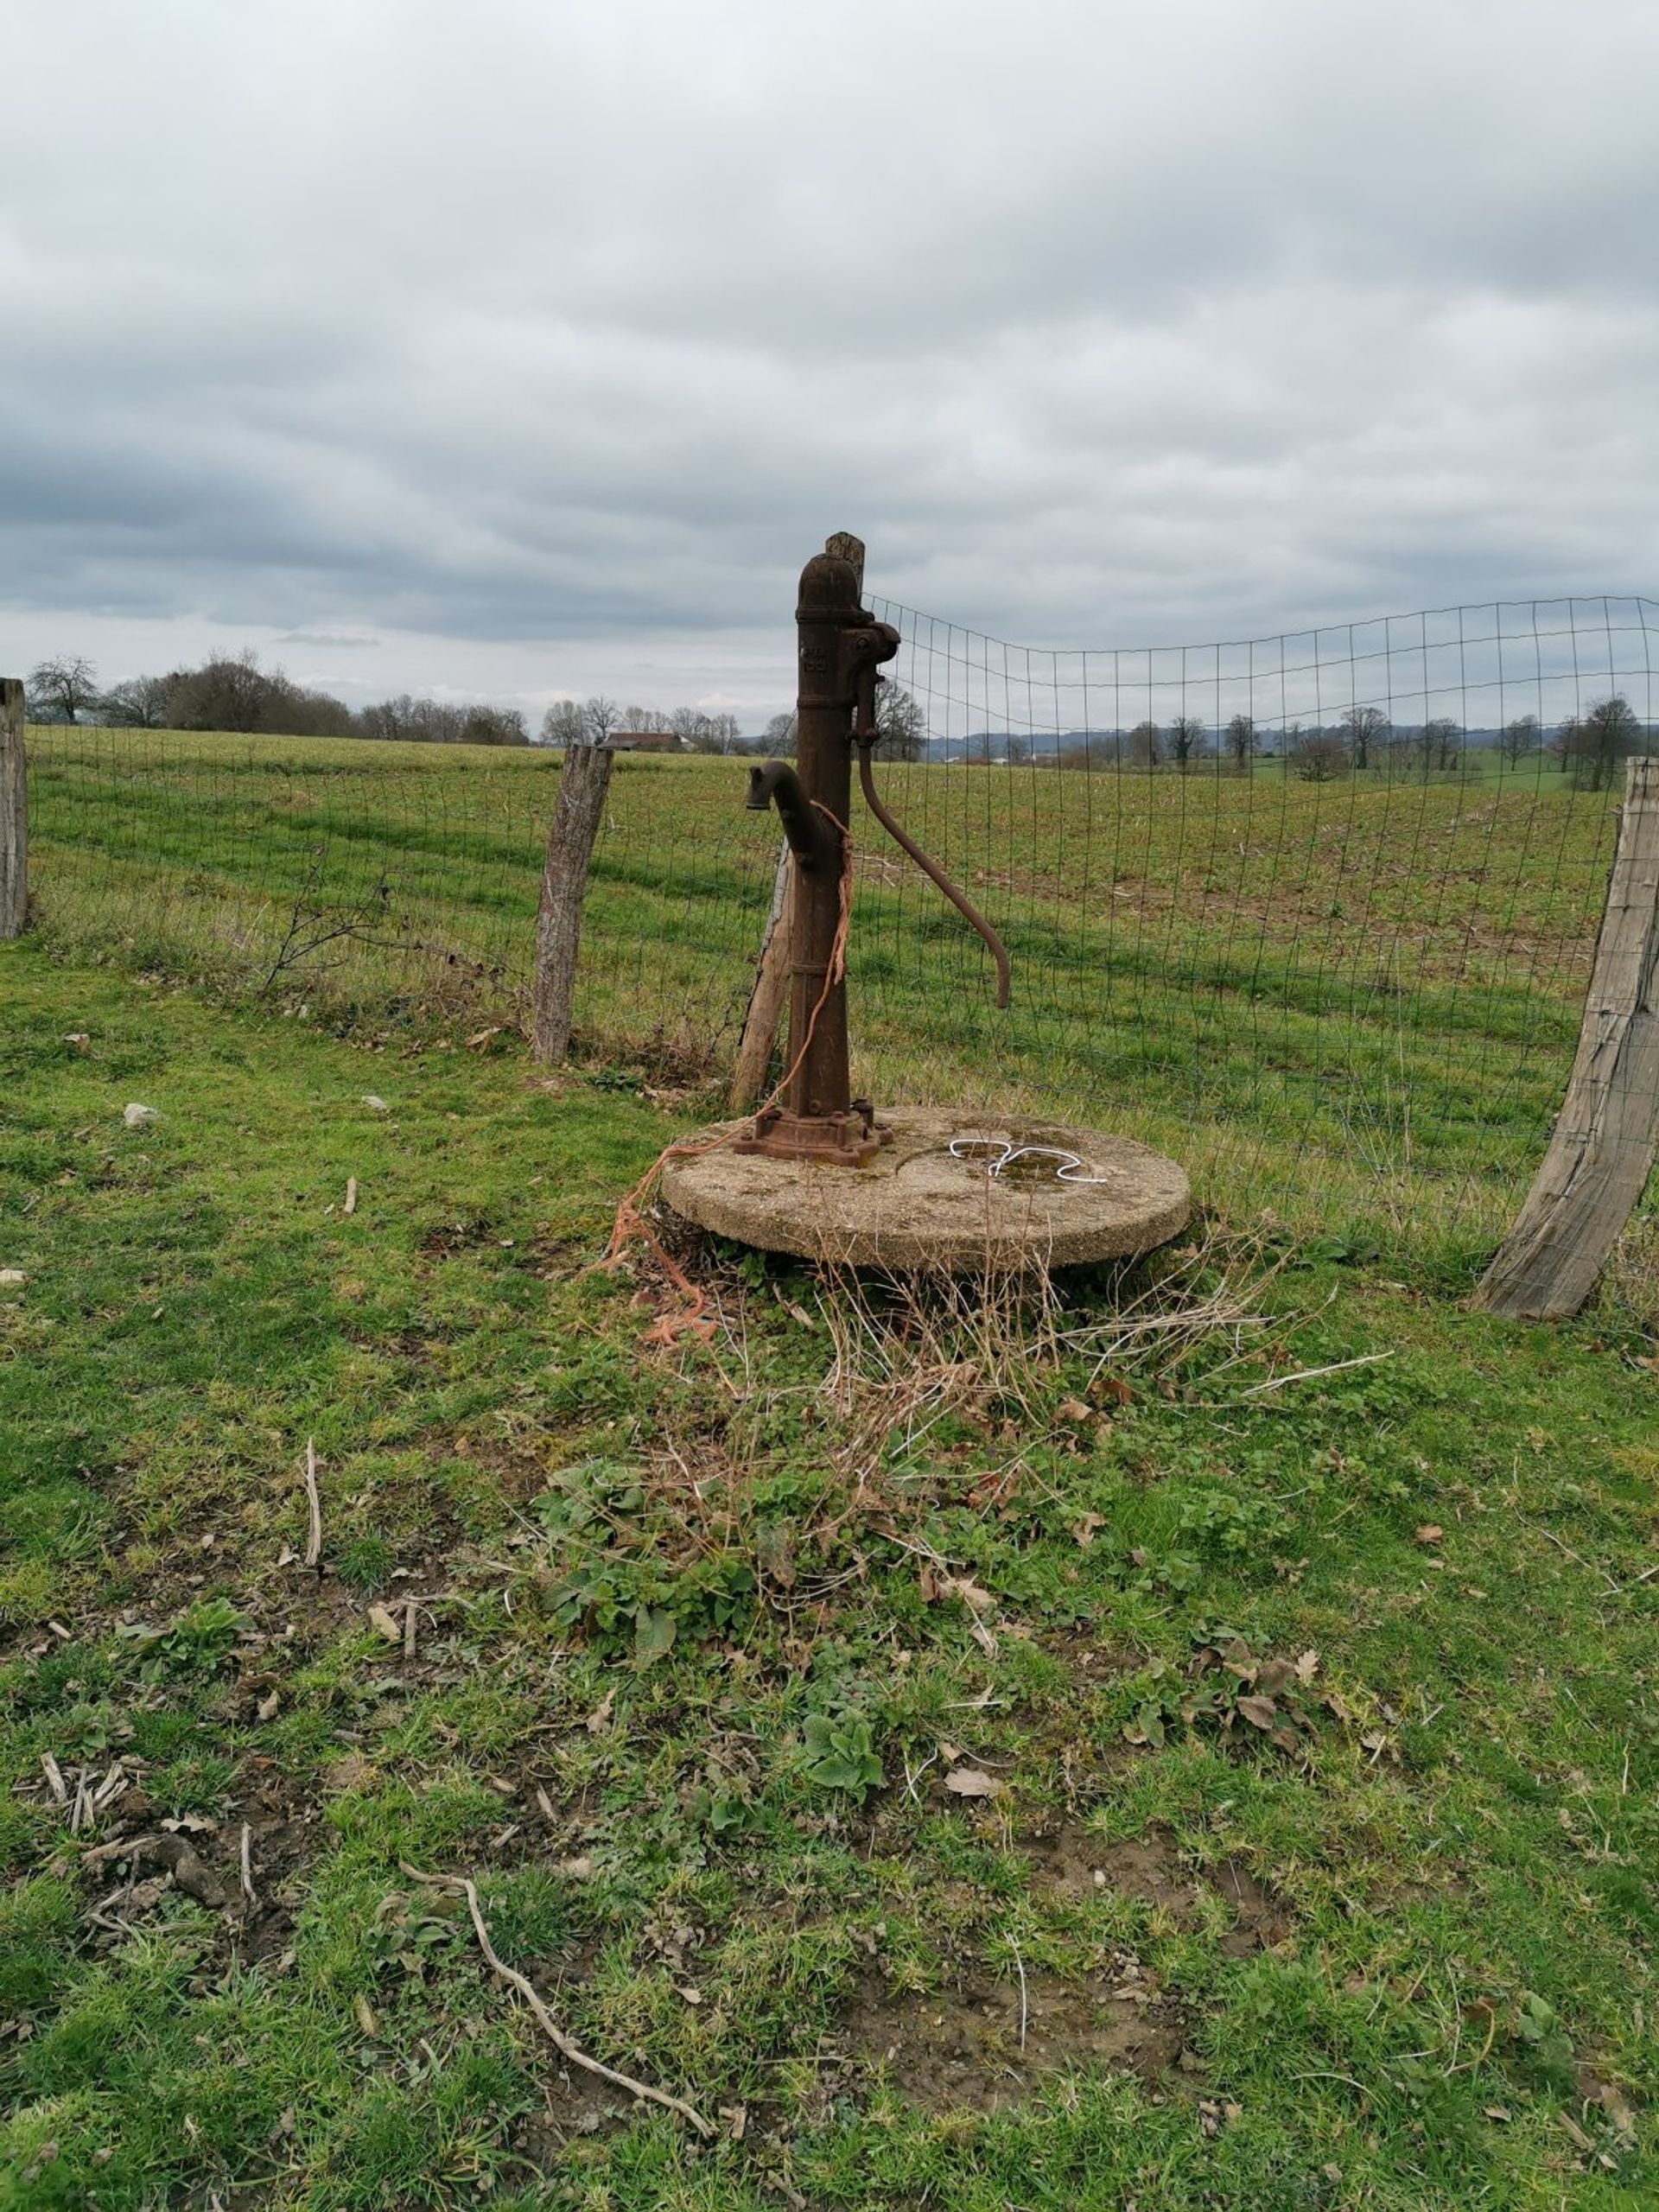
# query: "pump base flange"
[[848, 1140]]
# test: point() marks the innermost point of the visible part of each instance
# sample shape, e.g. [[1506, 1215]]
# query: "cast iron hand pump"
[[841, 648]]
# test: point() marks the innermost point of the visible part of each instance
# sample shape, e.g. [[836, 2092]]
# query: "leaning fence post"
[[1602, 1149], [583, 781], [14, 811], [766, 1000]]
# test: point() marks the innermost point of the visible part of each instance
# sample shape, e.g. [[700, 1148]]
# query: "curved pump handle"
[[865, 734]]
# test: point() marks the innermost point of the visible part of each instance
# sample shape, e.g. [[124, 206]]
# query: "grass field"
[[1355, 1002], [975, 1757]]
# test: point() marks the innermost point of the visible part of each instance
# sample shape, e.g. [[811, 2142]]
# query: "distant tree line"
[[1590, 747], [231, 691], [899, 719], [234, 692], [596, 720]]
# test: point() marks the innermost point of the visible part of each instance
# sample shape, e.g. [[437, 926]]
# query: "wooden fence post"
[[583, 781], [766, 1000], [14, 811], [1603, 1145]]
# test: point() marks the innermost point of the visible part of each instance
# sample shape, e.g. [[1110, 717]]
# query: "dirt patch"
[[1070, 1862], [134, 1879], [553, 1258], [987, 2043], [467, 1234]]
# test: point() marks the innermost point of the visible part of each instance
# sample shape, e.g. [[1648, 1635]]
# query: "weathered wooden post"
[[584, 779], [1602, 1149], [766, 1000], [14, 811]]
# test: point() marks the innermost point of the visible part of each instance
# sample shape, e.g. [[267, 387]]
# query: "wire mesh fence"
[[1316, 913]]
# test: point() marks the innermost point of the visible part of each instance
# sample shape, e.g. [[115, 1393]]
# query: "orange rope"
[[631, 1225]]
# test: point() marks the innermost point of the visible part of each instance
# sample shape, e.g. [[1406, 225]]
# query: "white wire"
[[1007, 1151]]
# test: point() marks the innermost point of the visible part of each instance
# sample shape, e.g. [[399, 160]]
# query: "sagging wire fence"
[[1316, 913]]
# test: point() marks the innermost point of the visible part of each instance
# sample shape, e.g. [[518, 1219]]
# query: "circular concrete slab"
[[919, 1206]]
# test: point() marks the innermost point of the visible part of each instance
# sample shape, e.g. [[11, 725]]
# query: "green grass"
[[681, 1609], [1355, 1002]]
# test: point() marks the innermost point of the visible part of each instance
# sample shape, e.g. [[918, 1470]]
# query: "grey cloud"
[[562, 327]]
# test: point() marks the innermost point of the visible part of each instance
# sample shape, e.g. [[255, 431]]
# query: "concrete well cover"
[[917, 1205]]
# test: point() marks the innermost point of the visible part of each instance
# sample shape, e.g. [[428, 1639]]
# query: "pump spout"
[[811, 840]]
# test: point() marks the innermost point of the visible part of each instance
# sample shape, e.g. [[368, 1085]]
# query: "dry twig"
[[1308, 1374], [458, 1884], [314, 1542]]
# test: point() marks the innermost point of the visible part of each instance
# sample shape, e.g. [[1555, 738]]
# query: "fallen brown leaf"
[[972, 1782], [599, 1718]]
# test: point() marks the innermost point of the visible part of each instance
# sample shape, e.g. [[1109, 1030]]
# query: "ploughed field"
[[1355, 999]]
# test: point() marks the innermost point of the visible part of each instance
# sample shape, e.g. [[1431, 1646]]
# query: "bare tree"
[[1361, 728], [1519, 738], [1442, 743], [1146, 744], [228, 692], [690, 726], [1597, 743], [58, 689], [600, 716], [141, 702], [780, 736], [409, 721], [562, 724], [1241, 741], [1317, 755], [901, 722], [1189, 741], [494, 726]]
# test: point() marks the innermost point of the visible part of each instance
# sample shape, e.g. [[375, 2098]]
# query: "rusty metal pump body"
[[840, 648]]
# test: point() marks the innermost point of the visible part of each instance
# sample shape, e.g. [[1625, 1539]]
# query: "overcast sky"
[[528, 347]]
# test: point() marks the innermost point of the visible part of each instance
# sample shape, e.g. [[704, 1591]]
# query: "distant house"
[[642, 740]]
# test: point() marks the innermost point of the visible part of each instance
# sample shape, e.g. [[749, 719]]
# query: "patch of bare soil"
[[988, 2043], [468, 1233], [135, 1877], [1072, 1863]]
